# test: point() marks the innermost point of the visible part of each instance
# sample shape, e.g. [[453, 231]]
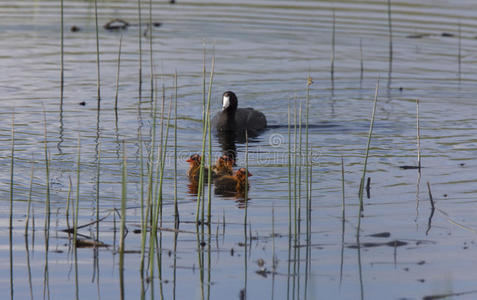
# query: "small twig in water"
[[368, 188], [430, 195]]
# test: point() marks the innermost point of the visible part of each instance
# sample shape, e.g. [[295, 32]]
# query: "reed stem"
[[150, 49], [117, 77], [390, 43], [361, 71], [78, 171], [10, 224], [176, 207], [307, 120], [68, 200], [459, 51], [333, 51], [47, 169], [209, 126], [361, 187], [295, 183], [289, 172], [62, 73], [143, 214], [140, 49], [163, 161], [123, 220], [204, 138], [98, 175], [342, 190], [98, 80], [418, 137], [27, 219]]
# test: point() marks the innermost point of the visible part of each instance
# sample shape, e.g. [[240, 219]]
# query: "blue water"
[[264, 51]]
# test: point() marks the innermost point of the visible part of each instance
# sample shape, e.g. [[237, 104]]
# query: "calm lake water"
[[264, 51]]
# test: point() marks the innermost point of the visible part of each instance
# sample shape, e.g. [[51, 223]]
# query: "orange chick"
[[194, 168], [228, 185]]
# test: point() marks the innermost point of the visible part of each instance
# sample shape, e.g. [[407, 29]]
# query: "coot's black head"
[[229, 102]]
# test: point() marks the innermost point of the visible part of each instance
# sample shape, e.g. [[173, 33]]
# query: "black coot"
[[237, 121]]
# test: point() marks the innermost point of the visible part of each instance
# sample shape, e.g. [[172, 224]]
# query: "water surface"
[[264, 51]]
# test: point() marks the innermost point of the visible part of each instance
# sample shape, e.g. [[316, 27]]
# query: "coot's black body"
[[235, 121]]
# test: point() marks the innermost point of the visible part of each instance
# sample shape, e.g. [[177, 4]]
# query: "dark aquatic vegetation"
[[395, 243], [447, 34], [116, 24], [380, 235]]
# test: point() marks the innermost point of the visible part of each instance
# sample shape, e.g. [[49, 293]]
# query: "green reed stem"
[[361, 187], [333, 50], [68, 200], [27, 220], [176, 207], [300, 162], [98, 174], [158, 206], [418, 137], [151, 163], [117, 76], [361, 60], [390, 29], [274, 258], [160, 152], [246, 177], [204, 128], [143, 215], [150, 49], [204, 138], [10, 224], [200, 262], [163, 161], [289, 172], [459, 50], [78, 172], [307, 118], [123, 220], [47, 169], [30, 283], [311, 191], [98, 81], [153, 204], [75, 252], [62, 71], [295, 183], [295, 169], [140, 48], [342, 190], [203, 88], [308, 227], [209, 266], [209, 126], [209, 174], [245, 217]]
